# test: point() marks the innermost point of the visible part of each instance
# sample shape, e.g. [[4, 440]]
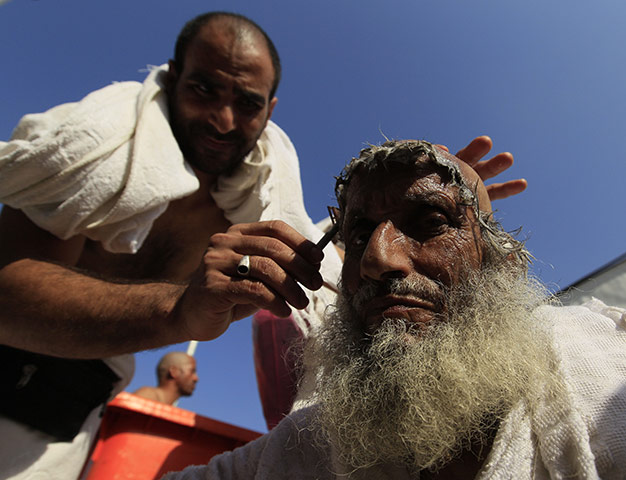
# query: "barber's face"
[[406, 224], [219, 103]]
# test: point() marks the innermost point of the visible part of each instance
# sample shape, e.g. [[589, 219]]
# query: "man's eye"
[[202, 89], [360, 238], [435, 221], [248, 105]]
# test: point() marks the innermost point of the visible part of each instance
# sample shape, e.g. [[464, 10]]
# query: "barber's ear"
[[172, 76], [273, 102]]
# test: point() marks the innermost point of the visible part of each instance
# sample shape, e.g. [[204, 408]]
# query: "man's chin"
[[214, 163], [410, 326]]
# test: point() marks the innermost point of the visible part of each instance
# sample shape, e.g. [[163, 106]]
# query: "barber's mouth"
[[218, 144]]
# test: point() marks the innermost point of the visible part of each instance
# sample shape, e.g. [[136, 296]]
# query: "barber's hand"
[[279, 258], [473, 153]]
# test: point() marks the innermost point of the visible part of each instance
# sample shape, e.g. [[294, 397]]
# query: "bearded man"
[[442, 359]]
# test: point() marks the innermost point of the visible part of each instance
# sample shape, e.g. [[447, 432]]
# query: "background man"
[[441, 358], [176, 377]]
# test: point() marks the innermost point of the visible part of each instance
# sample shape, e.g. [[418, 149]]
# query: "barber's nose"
[[223, 118], [385, 255]]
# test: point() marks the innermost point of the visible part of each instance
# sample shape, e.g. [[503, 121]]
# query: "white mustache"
[[418, 287]]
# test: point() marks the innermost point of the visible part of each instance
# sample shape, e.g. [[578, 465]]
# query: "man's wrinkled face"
[[219, 104], [187, 377], [408, 239]]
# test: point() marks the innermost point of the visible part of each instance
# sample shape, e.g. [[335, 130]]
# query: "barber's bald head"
[[239, 26]]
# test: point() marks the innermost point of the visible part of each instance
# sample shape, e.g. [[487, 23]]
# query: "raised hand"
[[473, 153]]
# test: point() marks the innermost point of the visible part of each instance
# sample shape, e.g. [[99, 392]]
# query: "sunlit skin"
[[186, 377], [219, 103], [416, 228]]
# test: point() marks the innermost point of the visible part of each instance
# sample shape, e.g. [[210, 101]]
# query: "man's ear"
[[172, 76], [172, 372], [270, 109]]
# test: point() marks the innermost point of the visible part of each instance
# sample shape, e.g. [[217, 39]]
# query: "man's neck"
[[206, 180], [168, 394]]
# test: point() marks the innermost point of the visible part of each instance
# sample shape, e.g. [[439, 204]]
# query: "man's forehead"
[[415, 159], [234, 35], [394, 186]]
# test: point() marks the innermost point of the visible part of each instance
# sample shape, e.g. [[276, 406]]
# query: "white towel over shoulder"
[[105, 167]]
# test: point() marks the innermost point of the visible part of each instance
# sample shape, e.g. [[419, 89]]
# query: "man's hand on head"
[[473, 154]]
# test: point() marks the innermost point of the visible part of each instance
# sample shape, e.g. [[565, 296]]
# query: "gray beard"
[[419, 397]]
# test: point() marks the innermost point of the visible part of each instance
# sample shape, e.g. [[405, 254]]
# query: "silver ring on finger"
[[243, 267]]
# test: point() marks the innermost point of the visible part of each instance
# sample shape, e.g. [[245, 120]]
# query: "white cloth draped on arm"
[[105, 167]]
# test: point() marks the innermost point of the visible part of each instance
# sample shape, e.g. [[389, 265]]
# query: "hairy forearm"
[[50, 309]]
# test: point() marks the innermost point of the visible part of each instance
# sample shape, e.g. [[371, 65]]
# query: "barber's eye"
[[249, 106], [202, 89]]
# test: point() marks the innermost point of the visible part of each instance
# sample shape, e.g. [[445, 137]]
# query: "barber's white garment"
[[580, 437], [105, 167], [28, 454]]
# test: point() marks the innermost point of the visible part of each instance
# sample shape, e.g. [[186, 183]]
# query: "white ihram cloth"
[[106, 167], [28, 454], [580, 437]]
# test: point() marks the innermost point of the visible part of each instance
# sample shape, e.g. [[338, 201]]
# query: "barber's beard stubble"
[[418, 397]]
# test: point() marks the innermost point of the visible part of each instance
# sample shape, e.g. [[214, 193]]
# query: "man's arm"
[[54, 309]]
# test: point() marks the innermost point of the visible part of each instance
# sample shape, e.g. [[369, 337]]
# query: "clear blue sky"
[[546, 80]]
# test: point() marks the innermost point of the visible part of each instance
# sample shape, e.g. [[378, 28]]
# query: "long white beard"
[[419, 398]]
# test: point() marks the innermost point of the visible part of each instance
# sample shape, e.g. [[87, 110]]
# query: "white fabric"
[[582, 436], [105, 167], [27, 454]]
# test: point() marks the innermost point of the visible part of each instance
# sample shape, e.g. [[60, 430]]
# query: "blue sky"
[[545, 79]]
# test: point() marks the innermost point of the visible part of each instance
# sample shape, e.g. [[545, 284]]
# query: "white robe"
[[583, 437]]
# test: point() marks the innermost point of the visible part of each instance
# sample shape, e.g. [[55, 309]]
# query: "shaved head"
[[241, 27], [470, 178], [172, 359]]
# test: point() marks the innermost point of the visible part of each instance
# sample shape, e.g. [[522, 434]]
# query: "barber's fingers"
[[499, 191], [283, 232], [265, 281], [270, 256]]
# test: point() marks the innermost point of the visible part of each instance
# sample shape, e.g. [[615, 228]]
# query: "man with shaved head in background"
[[176, 377], [442, 358]]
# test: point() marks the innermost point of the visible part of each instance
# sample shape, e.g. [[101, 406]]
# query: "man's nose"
[[223, 118], [385, 255]]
